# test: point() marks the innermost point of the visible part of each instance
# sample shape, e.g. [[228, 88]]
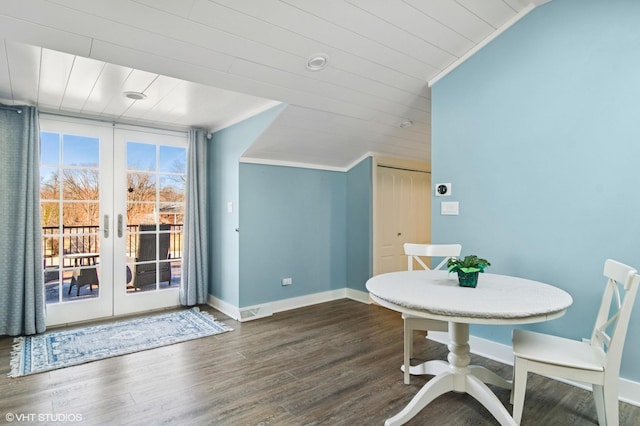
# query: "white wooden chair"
[[414, 253], [596, 361]]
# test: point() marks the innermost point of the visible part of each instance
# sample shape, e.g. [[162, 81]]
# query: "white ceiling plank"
[[223, 41], [108, 85], [495, 12], [24, 72], [137, 81], [311, 27], [24, 31], [160, 88], [274, 40], [55, 68], [338, 125], [82, 79], [415, 22], [144, 60], [369, 26], [318, 89], [85, 18], [180, 8], [454, 16], [168, 35], [344, 79]]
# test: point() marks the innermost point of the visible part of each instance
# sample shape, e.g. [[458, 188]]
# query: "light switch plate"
[[449, 208]]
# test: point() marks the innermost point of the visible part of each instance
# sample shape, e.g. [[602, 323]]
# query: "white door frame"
[[419, 166], [113, 299], [127, 303], [101, 306]]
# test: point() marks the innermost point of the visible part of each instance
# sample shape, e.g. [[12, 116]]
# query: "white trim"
[[255, 312], [224, 307], [629, 391], [249, 313], [381, 159], [359, 296], [308, 300], [483, 43], [359, 160], [251, 160]]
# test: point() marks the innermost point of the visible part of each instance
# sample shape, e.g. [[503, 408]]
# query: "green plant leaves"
[[470, 263]]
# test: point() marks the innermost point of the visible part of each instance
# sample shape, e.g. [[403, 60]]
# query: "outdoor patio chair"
[[82, 277], [145, 273]]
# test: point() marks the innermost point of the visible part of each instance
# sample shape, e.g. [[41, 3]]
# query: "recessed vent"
[[255, 312]]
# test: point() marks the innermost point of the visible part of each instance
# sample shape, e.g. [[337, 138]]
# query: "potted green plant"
[[468, 269]]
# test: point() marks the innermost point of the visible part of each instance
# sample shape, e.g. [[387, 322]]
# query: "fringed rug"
[[64, 348]]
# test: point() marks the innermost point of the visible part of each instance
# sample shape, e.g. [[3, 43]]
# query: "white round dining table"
[[497, 299]]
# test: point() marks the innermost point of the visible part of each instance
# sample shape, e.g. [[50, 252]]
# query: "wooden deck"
[[336, 363]]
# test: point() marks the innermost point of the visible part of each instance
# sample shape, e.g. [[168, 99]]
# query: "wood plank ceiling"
[[212, 63]]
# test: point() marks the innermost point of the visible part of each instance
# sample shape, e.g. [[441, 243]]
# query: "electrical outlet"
[[287, 281]]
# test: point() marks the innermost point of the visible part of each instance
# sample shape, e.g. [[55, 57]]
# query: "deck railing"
[[86, 239]]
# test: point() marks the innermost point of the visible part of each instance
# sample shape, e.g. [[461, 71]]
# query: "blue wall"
[[225, 150], [359, 225], [293, 224], [539, 134]]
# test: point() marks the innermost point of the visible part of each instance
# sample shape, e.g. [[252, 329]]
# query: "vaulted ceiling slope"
[[211, 63]]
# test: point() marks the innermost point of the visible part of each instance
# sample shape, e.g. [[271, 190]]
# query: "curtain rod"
[[11, 108]]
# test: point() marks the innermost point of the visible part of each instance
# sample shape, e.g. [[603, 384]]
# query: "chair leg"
[[519, 388], [611, 405], [71, 284], [408, 349], [598, 399]]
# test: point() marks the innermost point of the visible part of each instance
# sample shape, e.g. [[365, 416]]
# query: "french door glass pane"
[[80, 151], [69, 194], [156, 176]]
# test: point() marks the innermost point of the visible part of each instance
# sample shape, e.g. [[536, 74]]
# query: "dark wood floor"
[[335, 363]]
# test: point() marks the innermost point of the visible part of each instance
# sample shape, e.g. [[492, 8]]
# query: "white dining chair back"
[[596, 361], [415, 252]]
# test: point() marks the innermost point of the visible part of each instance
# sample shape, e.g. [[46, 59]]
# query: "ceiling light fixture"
[[406, 123], [317, 62], [136, 96]]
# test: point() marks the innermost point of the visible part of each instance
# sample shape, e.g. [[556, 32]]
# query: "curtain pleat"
[[22, 301], [195, 271]]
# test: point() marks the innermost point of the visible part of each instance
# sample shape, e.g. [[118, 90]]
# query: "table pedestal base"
[[457, 376]]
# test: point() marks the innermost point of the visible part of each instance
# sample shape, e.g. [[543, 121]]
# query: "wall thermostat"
[[443, 189]]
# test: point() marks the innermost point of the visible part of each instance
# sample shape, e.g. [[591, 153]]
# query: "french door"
[[112, 201]]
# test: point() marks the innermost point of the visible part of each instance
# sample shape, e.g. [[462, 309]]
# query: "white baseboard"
[[629, 391], [264, 310], [358, 296], [224, 307]]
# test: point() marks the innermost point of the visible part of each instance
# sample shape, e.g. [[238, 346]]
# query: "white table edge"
[[475, 320]]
